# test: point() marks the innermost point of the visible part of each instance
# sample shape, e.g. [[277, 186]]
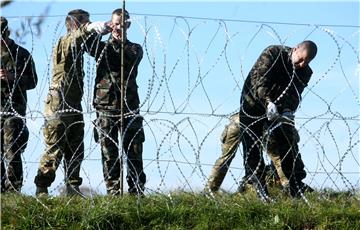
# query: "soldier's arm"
[[262, 79], [26, 76], [81, 35], [94, 46], [292, 100], [133, 53], [93, 33]]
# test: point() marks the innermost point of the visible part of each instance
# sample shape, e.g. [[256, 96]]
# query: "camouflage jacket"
[[271, 78], [67, 81], [107, 91], [18, 61]]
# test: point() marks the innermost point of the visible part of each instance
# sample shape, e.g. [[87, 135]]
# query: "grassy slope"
[[180, 211]]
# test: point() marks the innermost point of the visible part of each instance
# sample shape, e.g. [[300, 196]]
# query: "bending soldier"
[[107, 102], [64, 125], [17, 74], [269, 99]]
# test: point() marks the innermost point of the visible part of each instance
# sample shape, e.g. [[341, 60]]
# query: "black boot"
[[73, 190], [297, 189], [41, 191], [261, 189]]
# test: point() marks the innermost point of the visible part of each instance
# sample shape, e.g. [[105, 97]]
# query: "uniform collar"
[[116, 43]]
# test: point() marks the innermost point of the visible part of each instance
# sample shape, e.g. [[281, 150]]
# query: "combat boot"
[[245, 187], [136, 191], [14, 187], [41, 191], [73, 190], [211, 188], [261, 189], [297, 189], [113, 192]]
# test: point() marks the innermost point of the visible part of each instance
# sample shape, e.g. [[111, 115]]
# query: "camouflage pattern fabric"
[[14, 133], [67, 71], [230, 139], [108, 128], [14, 137], [272, 78], [16, 60], [64, 125], [107, 92], [64, 139], [284, 151], [107, 101]]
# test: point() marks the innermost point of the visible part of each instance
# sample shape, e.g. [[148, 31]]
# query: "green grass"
[[181, 210]]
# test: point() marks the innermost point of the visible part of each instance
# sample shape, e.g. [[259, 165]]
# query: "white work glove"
[[98, 27], [288, 114], [271, 111]]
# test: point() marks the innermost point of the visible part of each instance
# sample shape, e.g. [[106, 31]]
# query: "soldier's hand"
[[271, 111], [6, 75], [99, 27]]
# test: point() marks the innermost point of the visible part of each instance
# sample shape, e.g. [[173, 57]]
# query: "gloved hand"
[[271, 111], [288, 114], [98, 27]]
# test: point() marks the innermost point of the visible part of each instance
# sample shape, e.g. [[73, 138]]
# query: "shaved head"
[[310, 46]]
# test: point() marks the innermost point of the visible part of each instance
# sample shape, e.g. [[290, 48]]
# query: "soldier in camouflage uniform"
[[270, 96], [64, 126], [107, 101], [17, 74]]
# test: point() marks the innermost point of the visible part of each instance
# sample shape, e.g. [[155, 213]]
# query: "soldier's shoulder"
[[134, 44], [21, 50], [308, 71], [276, 48]]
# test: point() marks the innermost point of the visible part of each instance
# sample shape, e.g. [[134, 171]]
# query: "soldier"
[[269, 99], [230, 140], [17, 74], [107, 102], [64, 126]]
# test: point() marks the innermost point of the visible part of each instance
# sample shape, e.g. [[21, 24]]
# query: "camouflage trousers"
[[63, 135], [14, 137], [280, 144], [280, 140], [108, 130], [282, 147], [230, 139]]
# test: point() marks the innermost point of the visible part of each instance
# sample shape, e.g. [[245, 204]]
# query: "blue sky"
[[328, 118]]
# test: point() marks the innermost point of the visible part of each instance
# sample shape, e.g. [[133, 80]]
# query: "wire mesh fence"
[[190, 80]]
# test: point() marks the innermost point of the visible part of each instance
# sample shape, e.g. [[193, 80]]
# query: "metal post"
[[122, 77]]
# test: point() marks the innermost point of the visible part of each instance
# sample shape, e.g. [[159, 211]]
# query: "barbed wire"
[[190, 72], [199, 18]]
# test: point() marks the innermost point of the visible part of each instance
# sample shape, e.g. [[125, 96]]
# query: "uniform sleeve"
[[94, 47], [261, 77], [82, 36], [292, 99], [133, 53], [26, 76]]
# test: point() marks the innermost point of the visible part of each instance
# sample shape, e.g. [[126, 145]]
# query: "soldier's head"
[[116, 20], [76, 18], [5, 32], [303, 54]]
